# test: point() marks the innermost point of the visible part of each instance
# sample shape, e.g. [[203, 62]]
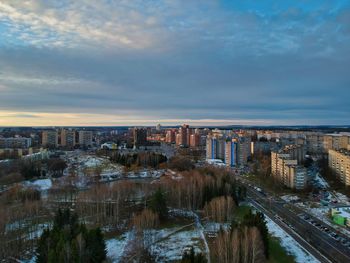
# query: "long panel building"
[[339, 162], [15, 143]]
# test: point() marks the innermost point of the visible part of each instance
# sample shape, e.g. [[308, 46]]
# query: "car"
[[336, 237], [344, 241]]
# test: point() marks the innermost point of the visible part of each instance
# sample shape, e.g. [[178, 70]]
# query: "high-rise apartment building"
[[231, 152], [195, 140], [339, 162], [215, 146], [67, 138], [85, 138], [234, 150], [170, 136], [314, 142], [243, 149], [296, 152], [285, 168], [50, 138], [140, 137], [295, 176], [183, 136]]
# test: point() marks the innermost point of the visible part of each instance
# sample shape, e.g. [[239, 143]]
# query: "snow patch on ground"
[[342, 198], [173, 247], [116, 246], [215, 227], [290, 198], [32, 260], [40, 184], [292, 246], [321, 181], [91, 161]]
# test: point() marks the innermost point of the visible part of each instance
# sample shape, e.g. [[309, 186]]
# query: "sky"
[[208, 62]]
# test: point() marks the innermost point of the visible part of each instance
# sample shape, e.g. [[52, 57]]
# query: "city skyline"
[[77, 63]]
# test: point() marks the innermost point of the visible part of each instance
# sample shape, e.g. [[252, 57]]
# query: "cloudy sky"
[[132, 62]]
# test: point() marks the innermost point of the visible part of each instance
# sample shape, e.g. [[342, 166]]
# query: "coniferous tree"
[[192, 257], [158, 204], [69, 241], [258, 220]]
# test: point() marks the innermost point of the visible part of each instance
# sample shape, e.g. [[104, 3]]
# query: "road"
[[318, 243], [292, 233]]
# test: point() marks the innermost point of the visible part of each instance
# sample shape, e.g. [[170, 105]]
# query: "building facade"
[[314, 142], [231, 152], [68, 138], [286, 168], [50, 138], [339, 162], [233, 149], [336, 141], [140, 137], [215, 147], [85, 138], [15, 143], [183, 136], [195, 140], [170, 136]]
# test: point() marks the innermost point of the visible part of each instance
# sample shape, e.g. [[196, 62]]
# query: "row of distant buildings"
[[67, 138], [314, 142], [51, 138], [184, 136], [233, 149]]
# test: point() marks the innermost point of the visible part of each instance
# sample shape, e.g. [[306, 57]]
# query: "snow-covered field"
[[291, 246], [169, 249]]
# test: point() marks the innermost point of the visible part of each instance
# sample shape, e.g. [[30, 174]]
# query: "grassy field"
[[277, 253]]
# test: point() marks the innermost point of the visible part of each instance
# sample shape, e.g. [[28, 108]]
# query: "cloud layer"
[[275, 62]]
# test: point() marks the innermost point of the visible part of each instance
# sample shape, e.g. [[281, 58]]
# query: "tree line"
[[143, 159]]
